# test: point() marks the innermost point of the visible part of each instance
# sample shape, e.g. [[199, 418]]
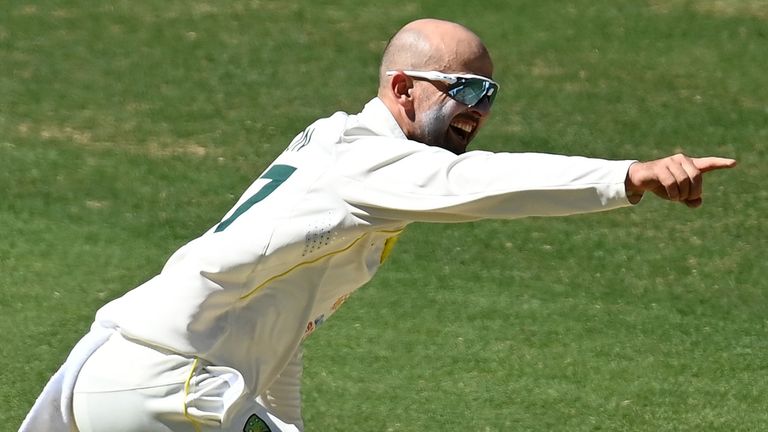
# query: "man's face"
[[444, 122]]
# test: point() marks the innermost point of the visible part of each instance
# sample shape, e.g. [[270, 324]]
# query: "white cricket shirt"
[[318, 224]]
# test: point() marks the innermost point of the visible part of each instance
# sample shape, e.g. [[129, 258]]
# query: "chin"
[[458, 151], [447, 141], [454, 145], [455, 149]]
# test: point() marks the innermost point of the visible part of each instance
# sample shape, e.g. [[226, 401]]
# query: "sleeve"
[[283, 397], [422, 183]]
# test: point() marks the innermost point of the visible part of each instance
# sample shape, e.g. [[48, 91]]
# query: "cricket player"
[[213, 342]]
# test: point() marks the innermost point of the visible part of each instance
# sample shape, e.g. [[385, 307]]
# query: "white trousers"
[[128, 387]]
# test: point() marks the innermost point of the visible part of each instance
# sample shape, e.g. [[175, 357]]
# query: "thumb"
[[706, 164]]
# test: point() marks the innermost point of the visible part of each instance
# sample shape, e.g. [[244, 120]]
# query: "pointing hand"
[[674, 178]]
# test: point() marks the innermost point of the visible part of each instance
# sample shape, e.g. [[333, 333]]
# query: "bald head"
[[425, 109], [430, 44]]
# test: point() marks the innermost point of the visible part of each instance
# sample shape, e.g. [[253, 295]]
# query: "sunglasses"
[[466, 88]]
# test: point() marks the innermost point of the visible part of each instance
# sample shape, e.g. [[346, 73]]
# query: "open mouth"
[[463, 127]]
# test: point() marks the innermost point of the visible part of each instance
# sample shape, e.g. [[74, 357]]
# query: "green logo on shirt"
[[255, 424]]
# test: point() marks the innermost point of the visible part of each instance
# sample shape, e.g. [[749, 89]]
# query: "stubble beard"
[[434, 128]]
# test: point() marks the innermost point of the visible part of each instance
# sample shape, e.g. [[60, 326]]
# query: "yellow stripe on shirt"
[[305, 263]]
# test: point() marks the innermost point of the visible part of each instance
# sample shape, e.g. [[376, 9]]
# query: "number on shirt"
[[277, 174]]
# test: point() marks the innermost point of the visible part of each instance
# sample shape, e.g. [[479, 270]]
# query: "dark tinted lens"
[[471, 91], [467, 92]]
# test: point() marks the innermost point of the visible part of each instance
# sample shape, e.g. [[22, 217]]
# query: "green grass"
[[128, 128]]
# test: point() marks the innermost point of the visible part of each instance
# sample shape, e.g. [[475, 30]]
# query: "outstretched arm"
[[674, 178]]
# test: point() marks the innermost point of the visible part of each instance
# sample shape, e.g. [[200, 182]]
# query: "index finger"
[[705, 164]]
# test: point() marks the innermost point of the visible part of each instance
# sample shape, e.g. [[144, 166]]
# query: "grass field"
[[128, 128]]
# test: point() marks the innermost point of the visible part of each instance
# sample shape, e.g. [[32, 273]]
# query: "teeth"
[[465, 125]]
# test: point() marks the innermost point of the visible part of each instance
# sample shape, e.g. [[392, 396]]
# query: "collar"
[[376, 116]]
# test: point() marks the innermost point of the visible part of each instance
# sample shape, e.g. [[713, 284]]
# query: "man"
[[213, 343]]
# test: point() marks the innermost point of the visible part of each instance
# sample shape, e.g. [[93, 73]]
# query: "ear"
[[401, 87]]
